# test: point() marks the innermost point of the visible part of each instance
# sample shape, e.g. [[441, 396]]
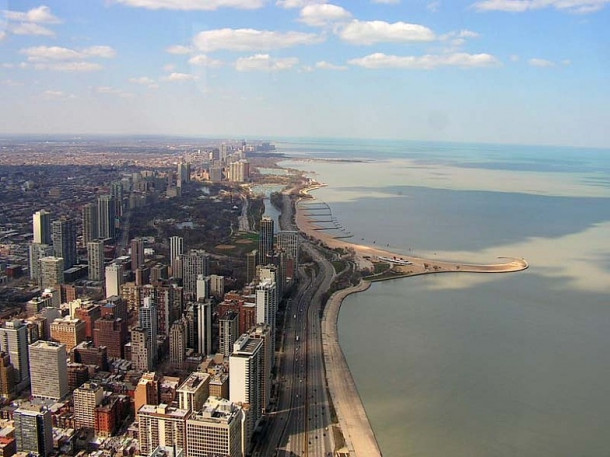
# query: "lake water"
[[486, 365]]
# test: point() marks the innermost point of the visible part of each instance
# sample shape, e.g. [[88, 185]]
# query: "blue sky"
[[500, 71]]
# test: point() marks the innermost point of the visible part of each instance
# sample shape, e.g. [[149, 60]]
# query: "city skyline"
[[501, 71]]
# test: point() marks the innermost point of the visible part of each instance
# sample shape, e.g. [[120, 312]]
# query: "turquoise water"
[[478, 365]]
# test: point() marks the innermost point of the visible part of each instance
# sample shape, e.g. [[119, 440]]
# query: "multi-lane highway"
[[300, 424]]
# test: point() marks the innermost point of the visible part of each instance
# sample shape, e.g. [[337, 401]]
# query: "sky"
[[494, 71]]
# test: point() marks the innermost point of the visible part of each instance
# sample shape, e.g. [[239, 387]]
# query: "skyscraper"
[[33, 429], [266, 302], [41, 225], [141, 356], [195, 263], [245, 379], [86, 398], [137, 253], [215, 430], [64, 241], [228, 332], [203, 311], [14, 341], [176, 249], [147, 317], [265, 334], [177, 343], [95, 257], [48, 370], [251, 260], [116, 191], [114, 279], [7, 375], [37, 252], [265, 241], [90, 223], [161, 425], [51, 272], [106, 216]]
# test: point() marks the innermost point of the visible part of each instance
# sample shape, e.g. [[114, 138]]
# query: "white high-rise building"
[[41, 225], [203, 288], [37, 252], [141, 356], [245, 378], [14, 342], [266, 302], [215, 430], [86, 398], [48, 370], [194, 391], [114, 279]]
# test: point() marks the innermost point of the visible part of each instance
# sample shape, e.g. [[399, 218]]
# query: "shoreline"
[[359, 436]]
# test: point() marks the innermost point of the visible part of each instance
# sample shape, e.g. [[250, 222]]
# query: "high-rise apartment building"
[[176, 250], [41, 227], [64, 241], [33, 429], [265, 240], [203, 311], [194, 391], [177, 343], [110, 332], [95, 257], [195, 263], [137, 253], [147, 391], [265, 334], [245, 378], [90, 223], [114, 279], [161, 425], [48, 370], [69, 332], [37, 252], [251, 261], [228, 332], [141, 356], [266, 302], [217, 286], [116, 192], [51, 272], [215, 430], [106, 216], [14, 342], [86, 398], [7, 376], [147, 317]]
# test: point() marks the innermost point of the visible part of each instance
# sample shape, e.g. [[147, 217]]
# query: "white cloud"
[[250, 40], [204, 61], [514, 58], [42, 15], [566, 62], [322, 14], [370, 32], [51, 53], [519, 6], [178, 49], [264, 62], [535, 62], [194, 5], [179, 77], [458, 38], [107, 90], [434, 6], [2, 35], [425, 62], [144, 81], [297, 3], [323, 65], [30, 28], [56, 95], [69, 66], [11, 82]]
